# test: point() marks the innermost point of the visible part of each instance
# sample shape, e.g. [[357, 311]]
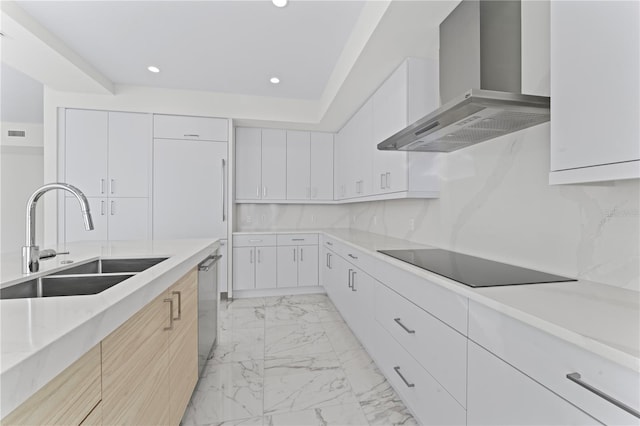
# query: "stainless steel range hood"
[[479, 47]]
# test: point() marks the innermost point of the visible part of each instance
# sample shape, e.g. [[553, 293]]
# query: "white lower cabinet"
[[254, 268], [297, 260], [501, 395], [427, 399], [254, 261], [438, 348]]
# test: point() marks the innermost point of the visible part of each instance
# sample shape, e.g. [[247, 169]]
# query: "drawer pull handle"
[[409, 385], [170, 301], [297, 239], [255, 241], [404, 327], [576, 378], [329, 243], [179, 294], [353, 257], [349, 283]]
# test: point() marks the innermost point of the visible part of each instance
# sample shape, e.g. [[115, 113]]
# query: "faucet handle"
[[50, 253]]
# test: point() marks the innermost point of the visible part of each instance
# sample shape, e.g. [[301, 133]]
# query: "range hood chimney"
[[480, 82]]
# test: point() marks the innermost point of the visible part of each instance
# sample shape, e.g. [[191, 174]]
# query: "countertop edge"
[[55, 356]]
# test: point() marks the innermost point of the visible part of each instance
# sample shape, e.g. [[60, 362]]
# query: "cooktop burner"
[[470, 270]]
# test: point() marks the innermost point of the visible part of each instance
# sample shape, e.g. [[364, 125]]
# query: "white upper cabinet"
[[261, 164], [274, 164], [129, 154], [107, 155], [321, 166], [248, 164], [277, 165], [298, 160], [595, 64], [410, 93], [362, 170], [356, 154], [309, 166], [195, 128], [86, 150]]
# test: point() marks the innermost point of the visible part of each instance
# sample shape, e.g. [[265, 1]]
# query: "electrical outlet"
[[353, 219], [375, 219], [412, 224], [263, 219], [248, 219], [313, 218]]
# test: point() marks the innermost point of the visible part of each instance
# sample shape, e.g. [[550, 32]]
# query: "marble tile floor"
[[291, 360]]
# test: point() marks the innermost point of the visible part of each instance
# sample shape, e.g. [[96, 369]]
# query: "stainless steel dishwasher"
[[207, 308]]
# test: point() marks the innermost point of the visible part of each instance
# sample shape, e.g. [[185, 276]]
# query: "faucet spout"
[[30, 252]]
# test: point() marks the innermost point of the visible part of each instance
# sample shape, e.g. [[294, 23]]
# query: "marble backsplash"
[[496, 203], [251, 217]]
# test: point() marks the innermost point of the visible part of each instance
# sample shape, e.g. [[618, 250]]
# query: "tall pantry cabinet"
[[107, 155]]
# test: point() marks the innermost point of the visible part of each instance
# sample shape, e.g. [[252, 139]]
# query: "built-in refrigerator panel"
[[189, 189]]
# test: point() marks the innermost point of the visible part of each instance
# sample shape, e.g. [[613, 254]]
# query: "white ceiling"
[[219, 46], [216, 56]]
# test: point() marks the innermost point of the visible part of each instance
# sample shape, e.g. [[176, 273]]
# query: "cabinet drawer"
[[426, 398], [297, 239], [67, 399], [195, 128], [440, 349], [548, 359], [447, 306], [257, 240], [358, 258]]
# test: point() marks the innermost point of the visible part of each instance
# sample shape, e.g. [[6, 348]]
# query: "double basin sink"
[[88, 278]]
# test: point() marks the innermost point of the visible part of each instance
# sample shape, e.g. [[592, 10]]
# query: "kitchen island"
[[41, 337]]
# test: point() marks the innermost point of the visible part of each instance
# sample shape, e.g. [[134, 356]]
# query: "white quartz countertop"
[[597, 317], [40, 337]]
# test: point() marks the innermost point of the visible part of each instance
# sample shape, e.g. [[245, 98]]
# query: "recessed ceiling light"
[[274, 80], [153, 69], [280, 3]]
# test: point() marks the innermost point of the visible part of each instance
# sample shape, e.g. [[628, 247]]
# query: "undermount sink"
[[64, 285], [108, 266], [88, 278]]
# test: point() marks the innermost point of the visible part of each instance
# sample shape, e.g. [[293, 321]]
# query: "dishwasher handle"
[[209, 262]]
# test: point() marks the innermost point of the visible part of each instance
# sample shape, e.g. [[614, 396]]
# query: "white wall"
[[21, 159]]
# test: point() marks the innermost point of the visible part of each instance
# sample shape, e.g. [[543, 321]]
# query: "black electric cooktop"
[[472, 271]]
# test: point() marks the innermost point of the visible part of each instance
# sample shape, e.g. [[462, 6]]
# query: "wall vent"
[[17, 133]]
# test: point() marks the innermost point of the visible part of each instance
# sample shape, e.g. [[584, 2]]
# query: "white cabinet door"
[[298, 160], [361, 302], [244, 276], [321, 166], [360, 153], [86, 152], [128, 218], [248, 164], [188, 189], [307, 266], [390, 116], [340, 165], [595, 63], [74, 223], [129, 154], [274, 164], [185, 127], [288, 266], [266, 267], [498, 394]]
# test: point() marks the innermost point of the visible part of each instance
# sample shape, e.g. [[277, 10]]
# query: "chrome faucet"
[[31, 254]]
